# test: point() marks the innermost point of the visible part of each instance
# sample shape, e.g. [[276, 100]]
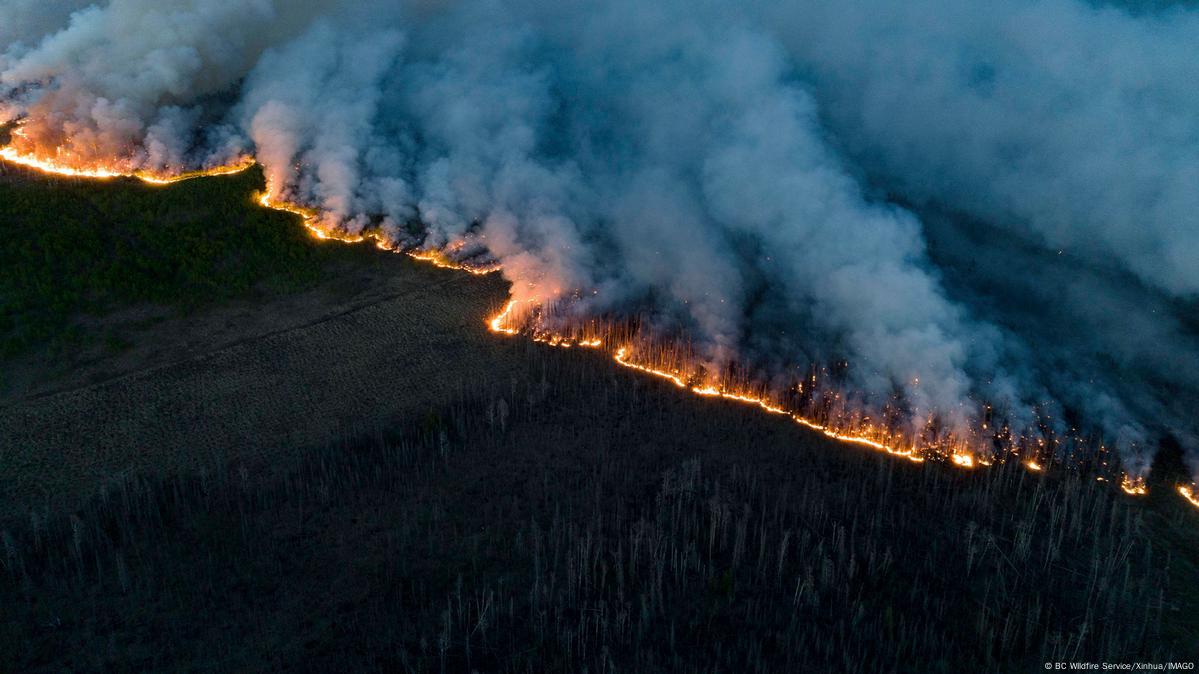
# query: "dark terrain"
[[207, 349], [366, 480]]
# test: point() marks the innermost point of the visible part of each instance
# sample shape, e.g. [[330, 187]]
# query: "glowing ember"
[[1134, 486], [1033, 466], [963, 460], [1189, 493]]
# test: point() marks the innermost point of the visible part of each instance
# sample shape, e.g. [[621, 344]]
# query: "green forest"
[[73, 247]]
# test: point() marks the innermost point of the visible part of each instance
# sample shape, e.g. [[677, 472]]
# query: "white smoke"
[[1070, 123], [731, 169]]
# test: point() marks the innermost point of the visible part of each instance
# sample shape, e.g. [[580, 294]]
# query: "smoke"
[[968, 202], [34, 19], [1050, 146], [128, 80], [1070, 124]]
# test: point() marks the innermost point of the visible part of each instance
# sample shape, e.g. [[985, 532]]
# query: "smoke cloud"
[[971, 203]]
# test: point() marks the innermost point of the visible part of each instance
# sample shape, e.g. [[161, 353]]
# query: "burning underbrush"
[[817, 399]]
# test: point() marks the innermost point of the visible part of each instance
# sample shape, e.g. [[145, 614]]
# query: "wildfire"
[[52, 167], [911, 454], [963, 460], [498, 323], [309, 216], [438, 259], [1188, 492], [311, 220], [507, 322], [1133, 486]]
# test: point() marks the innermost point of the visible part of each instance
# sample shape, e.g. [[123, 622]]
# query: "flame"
[[498, 323], [505, 322], [438, 259], [963, 460], [310, 217], [910, 453], [52, 167], [1189, 493], [1133, 486]]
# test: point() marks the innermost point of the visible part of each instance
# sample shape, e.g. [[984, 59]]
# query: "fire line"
[[502, 323]]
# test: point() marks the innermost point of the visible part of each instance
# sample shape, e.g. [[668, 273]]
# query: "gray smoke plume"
[[969, 202]]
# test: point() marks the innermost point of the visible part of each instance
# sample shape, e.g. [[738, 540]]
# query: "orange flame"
[[1133, 486], [438, 259], [963, 460], [52, 167], [1189, 493], [504, 322], [911, 454], [309, 216]]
